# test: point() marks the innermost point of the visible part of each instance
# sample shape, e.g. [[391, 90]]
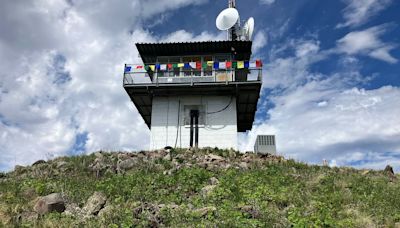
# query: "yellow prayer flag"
[[240, 64], [152, 67], [210, 63], [181, 65]]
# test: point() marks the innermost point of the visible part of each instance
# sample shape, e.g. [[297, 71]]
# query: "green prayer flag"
[[175, 65], [234, 65]]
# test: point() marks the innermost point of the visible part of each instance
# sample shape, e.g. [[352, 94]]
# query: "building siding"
[[219, 130]]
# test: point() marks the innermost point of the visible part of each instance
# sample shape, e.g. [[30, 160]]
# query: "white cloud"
[[260, 40], [317, 116], [62, 77], [267, 2], [359, 12], [367, 42]]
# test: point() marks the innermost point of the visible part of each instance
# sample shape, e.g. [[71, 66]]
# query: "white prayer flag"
[[192, 65], [163, 67], [253, 65], [222, 65]]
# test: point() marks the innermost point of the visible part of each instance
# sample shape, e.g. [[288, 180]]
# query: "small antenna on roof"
[[229, 20]]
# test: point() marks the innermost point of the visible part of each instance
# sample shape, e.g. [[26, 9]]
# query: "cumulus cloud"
[[260, 40], [61, 74], [319, 116], [367, 42], [358, 12]]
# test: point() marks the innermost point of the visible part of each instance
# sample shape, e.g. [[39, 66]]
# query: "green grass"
[[282, 194]]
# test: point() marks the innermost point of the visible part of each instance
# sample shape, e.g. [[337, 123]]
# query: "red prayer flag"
[[139, 67], [228, 64], [198, 65], [258, 63], [169, 66]]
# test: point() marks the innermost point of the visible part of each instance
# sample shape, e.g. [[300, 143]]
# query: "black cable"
[[229, 104], [177, 127]]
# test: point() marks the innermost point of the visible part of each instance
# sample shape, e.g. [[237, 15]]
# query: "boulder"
[[126, 164], [50, 203], [73, 210], [213, 157], [106, 211], [243, 165], [95, 203], [39, 162], [389, 170]]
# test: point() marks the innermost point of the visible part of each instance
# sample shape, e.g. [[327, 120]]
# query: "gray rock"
[[39, 162], [99, 154], [50, 203], [214, 181], [73, 210], [106, 211], [213, 157], [167, 157], [126, 164], [95, 203], [205, 191], [389, 170], [243, 165]]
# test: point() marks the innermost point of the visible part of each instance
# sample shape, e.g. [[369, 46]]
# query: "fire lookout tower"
[[197, 94]]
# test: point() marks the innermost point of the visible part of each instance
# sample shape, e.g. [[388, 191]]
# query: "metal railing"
[[191, 76]]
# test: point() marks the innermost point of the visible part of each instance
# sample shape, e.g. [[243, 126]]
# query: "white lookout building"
[[195, 94]]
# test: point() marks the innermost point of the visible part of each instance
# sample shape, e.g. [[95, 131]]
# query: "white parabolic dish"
[[227, 19], [249, 28]]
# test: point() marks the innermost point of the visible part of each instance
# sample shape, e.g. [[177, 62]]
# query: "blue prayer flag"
[[128, 69], [246, 64], [216, 65], [158, 66], [186, 66]]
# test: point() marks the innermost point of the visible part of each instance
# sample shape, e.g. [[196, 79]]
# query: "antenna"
[[229, 20], [248, 29]]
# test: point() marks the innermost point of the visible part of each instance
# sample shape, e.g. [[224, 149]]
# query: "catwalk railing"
[[191, 76]]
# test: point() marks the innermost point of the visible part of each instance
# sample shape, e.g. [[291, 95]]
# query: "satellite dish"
[[227, 19], [248, 29]]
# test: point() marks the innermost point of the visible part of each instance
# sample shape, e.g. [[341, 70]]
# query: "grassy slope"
[[281, 193]]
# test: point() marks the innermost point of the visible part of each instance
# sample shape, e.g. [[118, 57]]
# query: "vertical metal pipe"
[[196, 122], [191, 128]]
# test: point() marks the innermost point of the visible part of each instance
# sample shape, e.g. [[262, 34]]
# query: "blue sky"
[[331, 75]]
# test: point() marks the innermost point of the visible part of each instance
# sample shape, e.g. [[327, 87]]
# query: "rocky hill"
[[205, 188]]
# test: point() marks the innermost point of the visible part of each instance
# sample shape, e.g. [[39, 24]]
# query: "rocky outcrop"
[[50, 203], [95, 203]]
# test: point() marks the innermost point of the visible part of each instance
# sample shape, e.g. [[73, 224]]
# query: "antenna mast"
[[232, 32]]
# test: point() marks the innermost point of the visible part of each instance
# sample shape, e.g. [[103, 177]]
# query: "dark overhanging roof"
[[149, 51]]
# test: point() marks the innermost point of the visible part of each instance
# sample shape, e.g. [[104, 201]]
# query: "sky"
[[331, 83]]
